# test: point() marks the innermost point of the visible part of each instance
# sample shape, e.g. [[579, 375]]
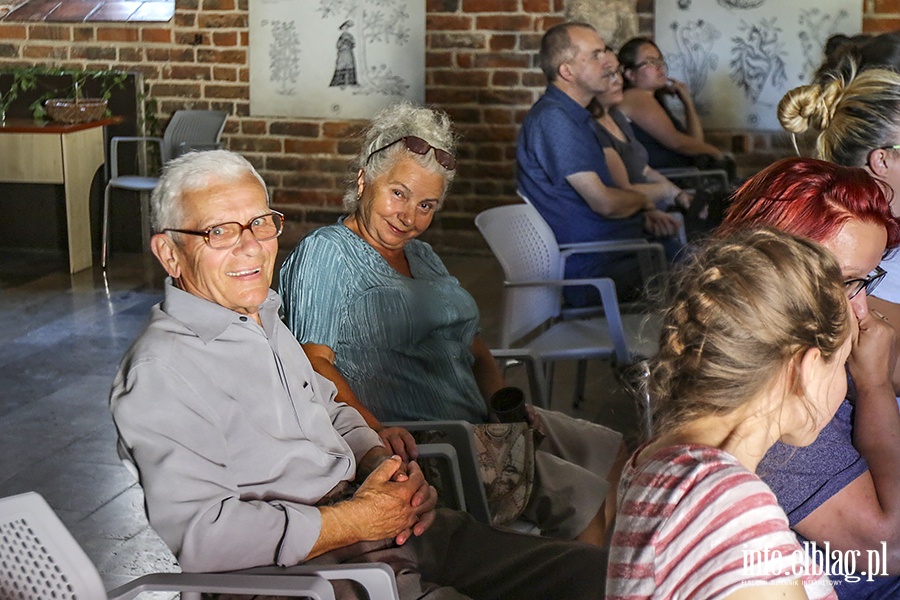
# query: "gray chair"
[[41, 560], [533, 265], [188, 130]]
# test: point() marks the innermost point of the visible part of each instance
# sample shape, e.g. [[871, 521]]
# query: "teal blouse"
[[403, 344]]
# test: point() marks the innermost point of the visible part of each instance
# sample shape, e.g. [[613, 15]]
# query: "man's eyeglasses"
[[227, 235], [653, 62], [421, 147], [855, 286]]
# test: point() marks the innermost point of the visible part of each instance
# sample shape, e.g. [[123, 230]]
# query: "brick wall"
[[480, 56]]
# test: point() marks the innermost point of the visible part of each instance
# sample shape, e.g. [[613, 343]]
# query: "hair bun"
[[810, 105]]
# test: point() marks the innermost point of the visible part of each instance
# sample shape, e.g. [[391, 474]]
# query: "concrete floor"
[[61, 337]]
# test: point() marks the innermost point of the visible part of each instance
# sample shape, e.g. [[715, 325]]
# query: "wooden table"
[[58, 153]]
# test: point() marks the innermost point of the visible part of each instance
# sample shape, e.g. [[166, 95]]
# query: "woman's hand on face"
[[400, 442], [872, 358]]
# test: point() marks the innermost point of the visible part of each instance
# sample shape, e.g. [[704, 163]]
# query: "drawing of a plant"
[[284, 56], [377, 22], [757, 57], [695, 58], [815, 29]]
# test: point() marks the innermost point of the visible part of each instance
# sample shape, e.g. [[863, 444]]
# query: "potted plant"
[[63, 96]]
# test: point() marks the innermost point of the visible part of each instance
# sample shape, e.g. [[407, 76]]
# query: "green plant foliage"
[[26, 78]]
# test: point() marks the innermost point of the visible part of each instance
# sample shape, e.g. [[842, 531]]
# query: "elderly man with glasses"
[[245, 457], [562, 170]]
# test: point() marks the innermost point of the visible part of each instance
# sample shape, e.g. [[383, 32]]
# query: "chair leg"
[[105, 242], [580, 377]]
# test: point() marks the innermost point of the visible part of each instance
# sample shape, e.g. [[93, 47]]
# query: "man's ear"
[[565, 72], [167, 254]]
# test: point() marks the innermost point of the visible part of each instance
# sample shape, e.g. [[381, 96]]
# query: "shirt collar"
[[572, 107], [209, 320]]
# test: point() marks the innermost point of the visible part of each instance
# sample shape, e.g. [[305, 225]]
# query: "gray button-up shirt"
[[235, 436]]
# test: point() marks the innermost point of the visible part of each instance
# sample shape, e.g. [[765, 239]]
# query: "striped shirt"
[[692, 522]]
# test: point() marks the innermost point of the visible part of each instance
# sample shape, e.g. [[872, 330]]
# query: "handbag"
[[505, 453], [505, 456]]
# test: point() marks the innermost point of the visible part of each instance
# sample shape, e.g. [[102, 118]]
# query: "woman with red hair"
[[842, 490]]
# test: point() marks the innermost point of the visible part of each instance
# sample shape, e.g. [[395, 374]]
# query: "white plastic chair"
[[188, 130], [41, 560], [533, 265]]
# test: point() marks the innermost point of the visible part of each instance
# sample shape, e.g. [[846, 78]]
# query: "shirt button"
[[244, 319]]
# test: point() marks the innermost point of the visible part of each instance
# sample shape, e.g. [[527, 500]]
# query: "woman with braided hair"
[[754, 339]]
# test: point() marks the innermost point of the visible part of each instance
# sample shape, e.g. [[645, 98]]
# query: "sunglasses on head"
[[421, 147]]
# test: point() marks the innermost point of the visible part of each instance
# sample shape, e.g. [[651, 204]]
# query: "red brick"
[[226, 91], [447, 96], [200, 73], [222, 21], [222, 56], [341, 129], [82, 52], [465, 60], [49, 32], [186, 5], [458, 40], [218, 5], [301, 146], [225, 38], [464, 115], [156, 35], [448, 22], [254, 127], [644, 6], [190, 38], [257, 144], [508, 61], [505, 78], [499, 116], [511, 23], [534, 79], [295, 129], [880, 25], [32, 51], [117, 34], [131, 55], [225, 74], [502, 42], [475, 6], [185, 90], [536, 6], [436, 60], [170, 54], [83, 34], [474, 79], [450, 6], [303, 180], [8, 31], [185, 20]]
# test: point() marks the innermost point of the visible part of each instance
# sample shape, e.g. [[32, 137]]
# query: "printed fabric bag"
[[505, 454]]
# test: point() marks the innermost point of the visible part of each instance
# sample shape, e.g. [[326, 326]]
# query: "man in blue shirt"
[[561, 168]]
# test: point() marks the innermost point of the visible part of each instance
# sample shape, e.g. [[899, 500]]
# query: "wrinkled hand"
[[660, 224], [384, 502], [872, 357], [400, 442], [424, 501]]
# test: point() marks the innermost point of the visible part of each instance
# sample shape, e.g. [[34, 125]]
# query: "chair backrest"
[[40, 559], [192, 130], [527, 251]]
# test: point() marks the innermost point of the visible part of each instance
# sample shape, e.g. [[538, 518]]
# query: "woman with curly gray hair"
[[379, 315]]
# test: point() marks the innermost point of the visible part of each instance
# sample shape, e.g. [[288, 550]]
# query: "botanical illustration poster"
[[739, 57], [335, 58]]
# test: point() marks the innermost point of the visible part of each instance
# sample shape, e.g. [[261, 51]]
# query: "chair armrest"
[[114, 149], [461, 438], [448, 453], [298, 581], [651, 255], [607, 289], [537, 386]]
